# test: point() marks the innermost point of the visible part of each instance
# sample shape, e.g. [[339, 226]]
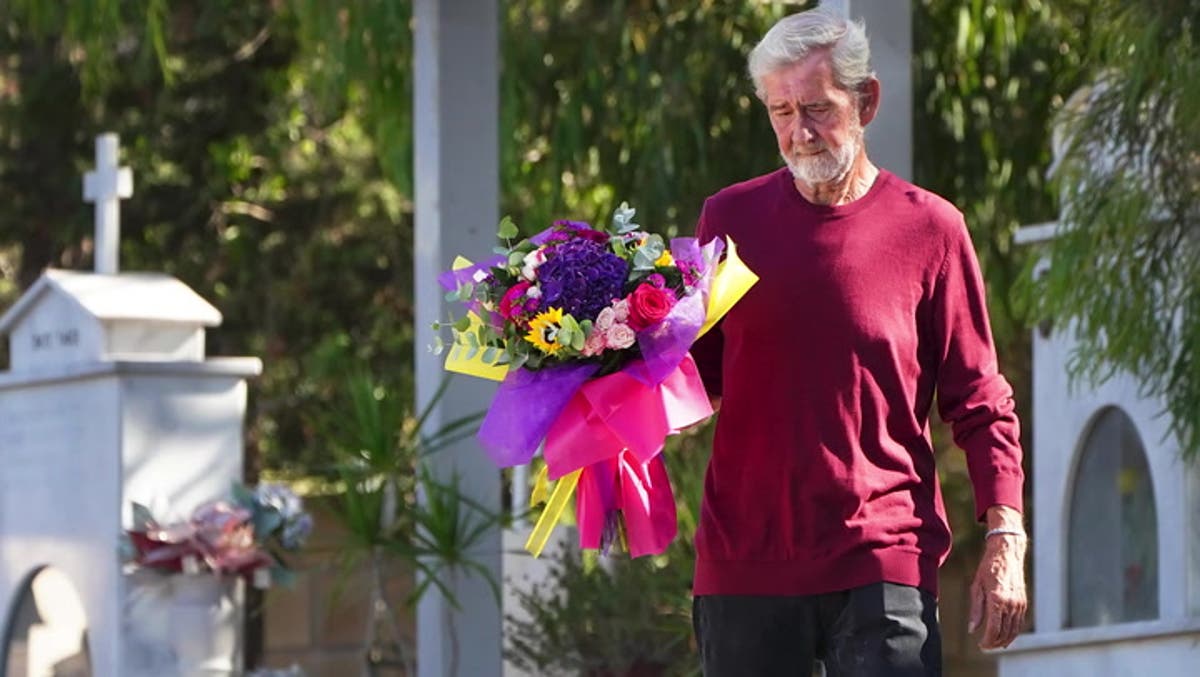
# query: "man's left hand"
[[998, 597]]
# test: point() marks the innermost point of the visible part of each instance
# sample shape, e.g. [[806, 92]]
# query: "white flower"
[[480, 276], [534, 292], [533, 259]]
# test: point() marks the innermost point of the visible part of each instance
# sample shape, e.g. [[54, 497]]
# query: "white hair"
[[794, 37]]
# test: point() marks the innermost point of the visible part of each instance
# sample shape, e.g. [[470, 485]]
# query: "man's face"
[[817, 124]]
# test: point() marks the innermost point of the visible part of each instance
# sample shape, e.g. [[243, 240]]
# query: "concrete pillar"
[[456, 116], [889, 27]]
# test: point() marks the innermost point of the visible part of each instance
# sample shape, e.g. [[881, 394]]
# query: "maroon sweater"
[[822, 475]]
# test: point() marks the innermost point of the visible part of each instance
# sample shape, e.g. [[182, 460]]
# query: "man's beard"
[[829, 166]]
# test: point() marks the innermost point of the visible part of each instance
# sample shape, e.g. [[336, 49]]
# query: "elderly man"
[[822, 527]]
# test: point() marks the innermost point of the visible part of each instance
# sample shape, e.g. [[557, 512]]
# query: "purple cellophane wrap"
[[525, 406], [452, 278], [664, 345]]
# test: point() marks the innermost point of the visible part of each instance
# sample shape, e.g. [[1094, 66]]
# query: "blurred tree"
[[989, 78], [1125, 269], [260, 195]]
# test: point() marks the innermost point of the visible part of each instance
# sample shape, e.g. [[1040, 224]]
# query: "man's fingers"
[[992, 625], [1003, 623], [976, 613], [1007, 622]]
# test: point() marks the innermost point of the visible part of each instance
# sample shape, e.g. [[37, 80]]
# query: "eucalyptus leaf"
[[507, 229]]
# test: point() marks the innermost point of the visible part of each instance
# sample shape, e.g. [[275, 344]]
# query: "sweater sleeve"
[[973, 397], [708, 350]]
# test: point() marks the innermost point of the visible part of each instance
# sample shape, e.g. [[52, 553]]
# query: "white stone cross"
[[105, 186]]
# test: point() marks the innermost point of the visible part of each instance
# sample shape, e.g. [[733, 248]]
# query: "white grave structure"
[[1116, 524], [108, 400]]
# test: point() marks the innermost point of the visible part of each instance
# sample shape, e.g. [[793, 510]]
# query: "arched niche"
[[46, 629], [1112, 527]]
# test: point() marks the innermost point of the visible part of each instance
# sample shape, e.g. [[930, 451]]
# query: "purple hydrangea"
[[582, 277]]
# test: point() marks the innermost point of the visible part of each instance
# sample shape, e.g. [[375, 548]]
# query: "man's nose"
[[803, 134]]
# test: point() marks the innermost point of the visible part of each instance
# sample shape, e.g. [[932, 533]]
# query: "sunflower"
[[543, 331]]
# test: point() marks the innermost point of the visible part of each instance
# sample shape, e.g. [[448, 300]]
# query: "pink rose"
[[620, 310], [648, 305], [619, 337], [605, 319]]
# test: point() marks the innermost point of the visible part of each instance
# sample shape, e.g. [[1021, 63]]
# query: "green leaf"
[[507, 229], [565, 335], [462, 324], [623, 219]]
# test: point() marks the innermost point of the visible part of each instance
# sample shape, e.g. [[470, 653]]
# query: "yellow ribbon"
[[540, 487], [457, 359], [731, 281], [564, 488]]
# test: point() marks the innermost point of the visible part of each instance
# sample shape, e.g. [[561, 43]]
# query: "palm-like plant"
[[395, 511]]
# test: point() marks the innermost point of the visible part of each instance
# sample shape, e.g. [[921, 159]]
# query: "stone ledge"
[[1060, 639]]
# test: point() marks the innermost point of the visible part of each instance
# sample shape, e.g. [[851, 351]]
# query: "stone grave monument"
[[108, 400]]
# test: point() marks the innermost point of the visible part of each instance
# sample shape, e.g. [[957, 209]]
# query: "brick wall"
[[320, 623]]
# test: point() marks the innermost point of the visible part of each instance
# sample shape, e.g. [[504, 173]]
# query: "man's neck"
[[845, 190]]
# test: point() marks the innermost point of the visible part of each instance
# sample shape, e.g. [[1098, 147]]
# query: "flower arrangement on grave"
[[247, 536], [588, 329]]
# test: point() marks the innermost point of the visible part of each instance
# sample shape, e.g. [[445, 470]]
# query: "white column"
[[456, 114], [889, 28]]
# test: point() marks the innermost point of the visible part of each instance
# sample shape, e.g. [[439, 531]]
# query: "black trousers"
[[879, 630]]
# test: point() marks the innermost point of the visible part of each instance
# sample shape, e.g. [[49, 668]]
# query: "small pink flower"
[[621, 310], [619, 337], [604, 321], [594, 345]]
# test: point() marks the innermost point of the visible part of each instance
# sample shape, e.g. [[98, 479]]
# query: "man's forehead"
[[810, 78]]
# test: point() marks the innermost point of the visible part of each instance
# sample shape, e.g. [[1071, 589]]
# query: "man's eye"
[[782, 112]]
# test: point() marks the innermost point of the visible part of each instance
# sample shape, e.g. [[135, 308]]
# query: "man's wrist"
[[1006, 518], [1012, 533]]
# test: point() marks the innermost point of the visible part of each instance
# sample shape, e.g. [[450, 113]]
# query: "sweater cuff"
[[1002, 490]]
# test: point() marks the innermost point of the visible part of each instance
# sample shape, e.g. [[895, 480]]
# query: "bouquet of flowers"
[[246, 536], [589, 329]]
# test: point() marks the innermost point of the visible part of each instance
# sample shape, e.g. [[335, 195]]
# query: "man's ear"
[[868, 101]]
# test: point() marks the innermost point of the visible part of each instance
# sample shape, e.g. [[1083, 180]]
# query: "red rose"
[[648, 305], [510, 304]]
